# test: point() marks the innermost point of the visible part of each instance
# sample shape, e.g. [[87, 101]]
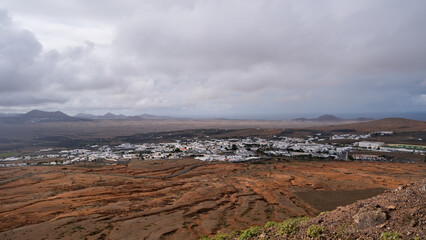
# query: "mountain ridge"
[[111, 116], [329, 118], [35, 116]]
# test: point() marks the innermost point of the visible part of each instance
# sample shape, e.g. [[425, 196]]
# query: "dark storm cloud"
[[29, 76], [25, 100], [220, 36], [18, 49], [237, 46], [223, 56]]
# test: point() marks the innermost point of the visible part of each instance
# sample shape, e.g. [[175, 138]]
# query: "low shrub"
[[221, 237], [291, 226], [344, 230], [271, 224], [249, 233], [390, 236], [235, 233], [314, 231]]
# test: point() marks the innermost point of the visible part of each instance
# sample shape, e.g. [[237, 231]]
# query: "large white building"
[[372, 145]]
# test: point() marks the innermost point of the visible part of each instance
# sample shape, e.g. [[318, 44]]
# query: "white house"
[[372, 145]]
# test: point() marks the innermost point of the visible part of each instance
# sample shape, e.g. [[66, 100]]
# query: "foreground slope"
[[181, 199], [397, 214]]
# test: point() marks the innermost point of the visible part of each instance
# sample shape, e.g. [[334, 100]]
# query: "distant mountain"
[[111, 116], [147, 116], [322, 118], [107, 116], [85, 115], [35, 116], [47, 115], [329, 118]]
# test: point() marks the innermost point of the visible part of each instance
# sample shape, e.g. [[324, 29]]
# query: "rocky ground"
[[187, 199], [396, 214]]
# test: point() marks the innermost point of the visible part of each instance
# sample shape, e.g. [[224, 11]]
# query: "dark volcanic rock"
[[366, 218]]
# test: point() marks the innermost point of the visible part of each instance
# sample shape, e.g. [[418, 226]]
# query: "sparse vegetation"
[[322, 213], [291, 226], [390, 236], [53, 193], [314, 231], [77, 228], [235, 233], [344, 230], [249, 233], [222, 237], [271, 224]]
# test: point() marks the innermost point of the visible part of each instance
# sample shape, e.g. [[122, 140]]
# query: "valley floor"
[[182, 199]]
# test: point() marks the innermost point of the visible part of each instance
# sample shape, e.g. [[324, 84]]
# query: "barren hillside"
[[181, 199], [395, 214]]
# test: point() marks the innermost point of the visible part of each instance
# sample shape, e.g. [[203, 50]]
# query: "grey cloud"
[[27, 100], [214, 37], [29, 76], [18, 50], [229, 55]]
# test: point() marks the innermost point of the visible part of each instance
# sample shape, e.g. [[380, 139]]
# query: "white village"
[[227, 150]]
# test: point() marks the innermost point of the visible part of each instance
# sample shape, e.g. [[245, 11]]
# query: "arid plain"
[[181, 199]]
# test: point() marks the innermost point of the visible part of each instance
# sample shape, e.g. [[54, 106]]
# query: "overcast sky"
[[218, 58]]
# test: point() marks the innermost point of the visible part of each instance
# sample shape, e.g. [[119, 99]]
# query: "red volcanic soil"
[[181, 199]]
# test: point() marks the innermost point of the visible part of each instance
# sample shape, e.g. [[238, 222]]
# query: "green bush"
[[235, 233], [271, 224], [221, 237], [314, 231], [249, 233], [390, 236], [216, 237], [291, 226]]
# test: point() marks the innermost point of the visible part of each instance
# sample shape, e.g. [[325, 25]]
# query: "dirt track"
[[118, 203]]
